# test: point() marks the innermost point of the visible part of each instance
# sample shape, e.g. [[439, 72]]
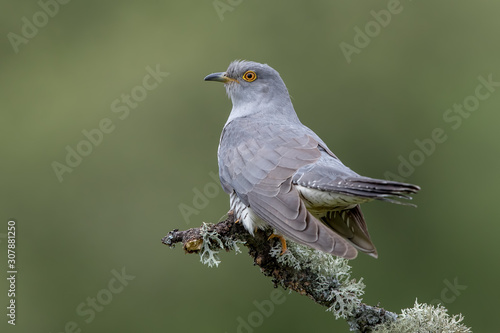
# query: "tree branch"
[[323, 278]]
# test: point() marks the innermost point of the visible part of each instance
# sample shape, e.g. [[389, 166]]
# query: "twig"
[[305, 280], [323, 278]]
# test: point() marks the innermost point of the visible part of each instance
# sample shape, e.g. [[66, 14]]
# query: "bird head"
[[251, 82]]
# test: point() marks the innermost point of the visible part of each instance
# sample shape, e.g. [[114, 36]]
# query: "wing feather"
[[260, 172]]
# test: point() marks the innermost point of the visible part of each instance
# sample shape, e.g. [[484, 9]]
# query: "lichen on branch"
[[322, 277]]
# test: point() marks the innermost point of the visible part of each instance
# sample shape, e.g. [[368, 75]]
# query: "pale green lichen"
[[333, 276], [212, 243], [425, 318], [333, 283]]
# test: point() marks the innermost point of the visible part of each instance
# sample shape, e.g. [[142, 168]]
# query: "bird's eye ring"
[[249, 76]]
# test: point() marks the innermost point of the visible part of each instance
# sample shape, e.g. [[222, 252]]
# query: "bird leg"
[[231, 216], [282, 240]]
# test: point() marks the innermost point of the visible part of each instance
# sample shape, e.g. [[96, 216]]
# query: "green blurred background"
[[111, 211]]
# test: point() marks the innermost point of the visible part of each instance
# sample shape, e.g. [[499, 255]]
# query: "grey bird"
[[279, 173]]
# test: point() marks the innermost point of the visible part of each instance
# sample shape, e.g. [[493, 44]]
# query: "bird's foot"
[[282, 240], [231, 216]]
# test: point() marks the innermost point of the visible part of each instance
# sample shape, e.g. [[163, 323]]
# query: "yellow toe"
[[282, 240]]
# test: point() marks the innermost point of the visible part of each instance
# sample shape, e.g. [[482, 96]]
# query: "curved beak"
[[219, 77]]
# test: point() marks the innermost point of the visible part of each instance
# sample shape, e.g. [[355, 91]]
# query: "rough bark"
[[304, 281]]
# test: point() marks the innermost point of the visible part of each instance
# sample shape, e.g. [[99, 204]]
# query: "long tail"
[[384, 190]]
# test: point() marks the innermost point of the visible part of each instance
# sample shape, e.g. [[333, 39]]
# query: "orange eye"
[[249, 76]]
